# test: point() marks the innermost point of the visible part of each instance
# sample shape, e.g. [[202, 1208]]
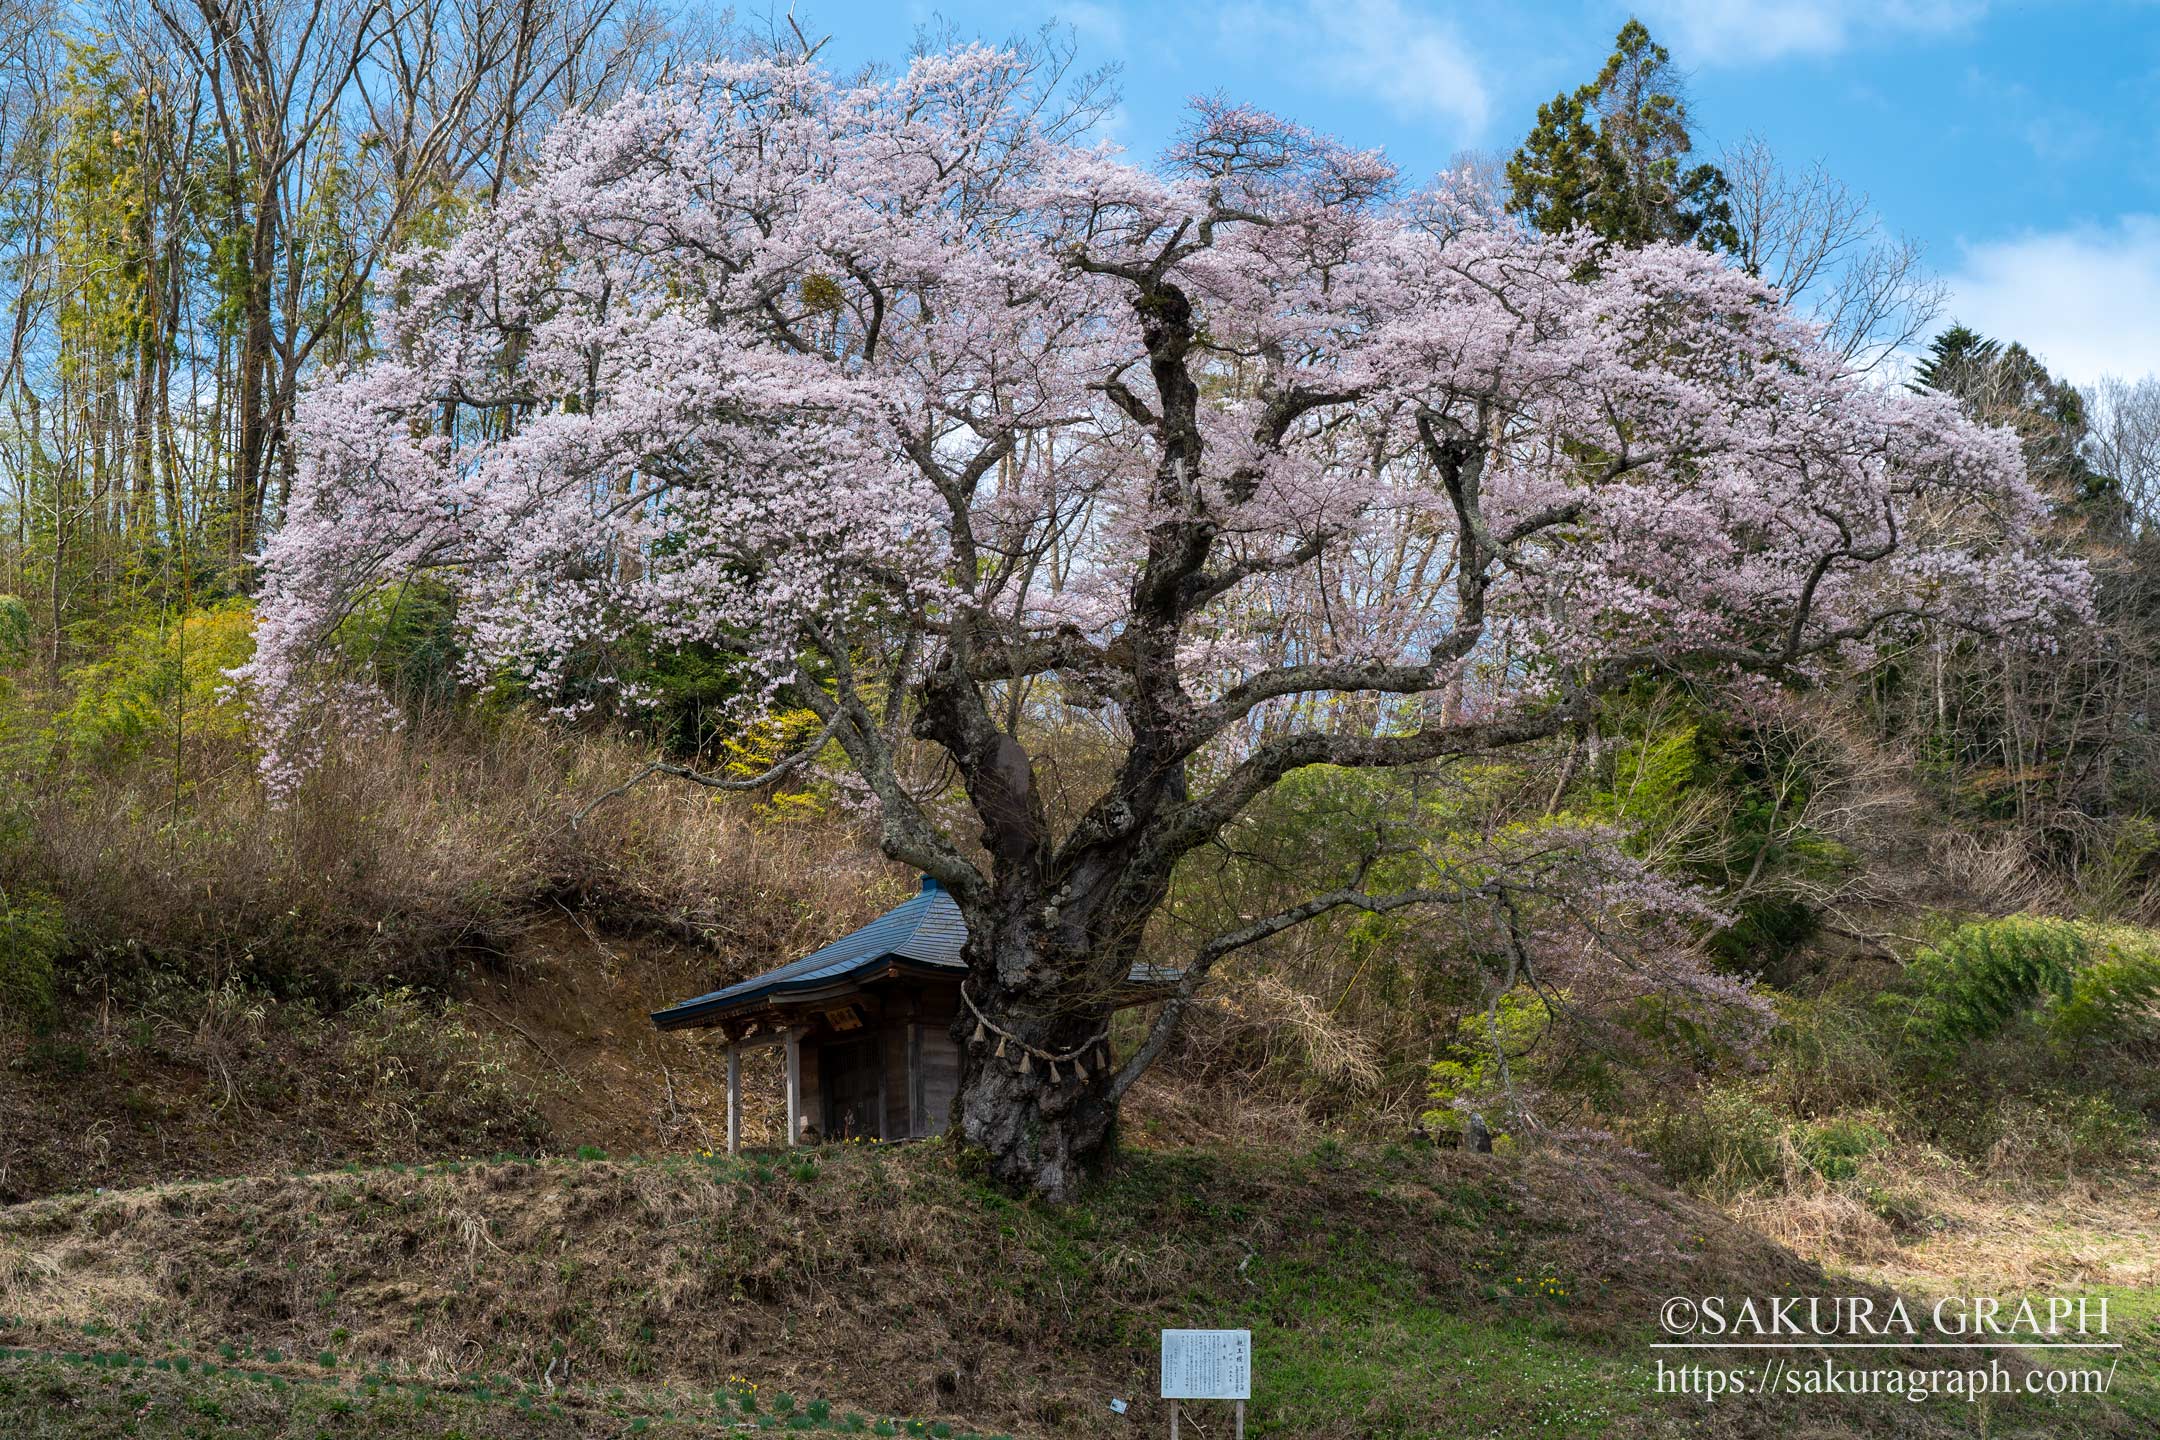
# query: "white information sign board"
[[1207, 1364]]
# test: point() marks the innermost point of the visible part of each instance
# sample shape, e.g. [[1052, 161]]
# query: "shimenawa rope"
[[1076, 1058]]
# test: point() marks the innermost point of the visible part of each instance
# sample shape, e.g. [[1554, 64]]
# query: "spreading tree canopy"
[[946, 420]]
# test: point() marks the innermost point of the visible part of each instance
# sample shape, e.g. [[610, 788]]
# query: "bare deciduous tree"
[[1823, 246], [2122, 440]]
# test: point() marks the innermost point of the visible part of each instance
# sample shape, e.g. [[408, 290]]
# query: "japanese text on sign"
[[1207, 1364]]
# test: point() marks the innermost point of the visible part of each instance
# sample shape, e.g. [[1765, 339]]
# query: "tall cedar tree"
[[1607, 159]]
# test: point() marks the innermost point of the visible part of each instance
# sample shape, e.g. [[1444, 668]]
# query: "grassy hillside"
[[1392, 1292], [423, 960]]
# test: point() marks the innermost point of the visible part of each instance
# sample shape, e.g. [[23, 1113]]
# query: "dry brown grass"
[[189, 1083], [443, 857], [1963, 1231], [1821, 1221], [1177, 1108], [405, 855], [548, 1047], [1290, 1026], [214, 960], [848, 1283]]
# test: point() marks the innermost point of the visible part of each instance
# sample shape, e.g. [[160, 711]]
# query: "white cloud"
[[1409, 61], [1739, 31], [2086, 301], [1100, 26]]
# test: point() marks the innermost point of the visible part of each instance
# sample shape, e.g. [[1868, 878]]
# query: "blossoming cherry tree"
[[947, 421]]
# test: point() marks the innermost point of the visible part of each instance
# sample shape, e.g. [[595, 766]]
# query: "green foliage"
[[1560, 172], [1727, 1140], [1608, 158], [2114, 998], [1491, 1049], [756, 748], [404, 634], [1721, 803], [1830, 1052], [1835, 1147], [1651, 775], [1308, 835], [2116, 877], [2097, 1131], [2008, 385], [14, 632], [2022, 1045], [32, 931], [325, 254], [692, 688], [1958, 359], [163, 677], [2056, 1131], [1984, 975], [102, 212], [687, 694]]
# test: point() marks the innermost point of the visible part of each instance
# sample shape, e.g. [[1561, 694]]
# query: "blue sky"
[[2019, 142]]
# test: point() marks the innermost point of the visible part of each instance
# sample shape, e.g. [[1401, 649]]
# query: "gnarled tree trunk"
[[1036, 1086], [1038, 1134]]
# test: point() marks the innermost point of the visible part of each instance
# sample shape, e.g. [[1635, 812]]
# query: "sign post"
[[1207, 1365]]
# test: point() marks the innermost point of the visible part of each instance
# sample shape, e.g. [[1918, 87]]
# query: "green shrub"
[[691, 695], [1834, 1148], [14, 632], [1486, 1045], [2096, 1131], [1830, 1053], [405, 635], [1727, 1141], [2118, 873], [2115, 998], [163, 676], [1982, 977], [32, 932], [2060, 1132]]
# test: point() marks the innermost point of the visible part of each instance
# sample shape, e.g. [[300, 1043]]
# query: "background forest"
[[1942, 876]]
